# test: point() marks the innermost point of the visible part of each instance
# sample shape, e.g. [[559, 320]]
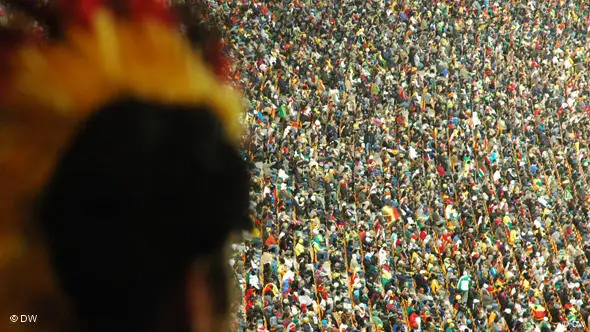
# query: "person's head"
[[136, 214], [119, 196]]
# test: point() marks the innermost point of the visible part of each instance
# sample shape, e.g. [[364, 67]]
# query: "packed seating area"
[[468, 125], [417, 165]]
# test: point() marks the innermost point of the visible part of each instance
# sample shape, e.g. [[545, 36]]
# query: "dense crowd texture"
[[418, 165]]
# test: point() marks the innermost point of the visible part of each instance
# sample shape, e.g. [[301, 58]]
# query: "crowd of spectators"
[[417, 165]]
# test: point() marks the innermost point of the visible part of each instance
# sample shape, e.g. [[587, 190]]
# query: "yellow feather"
[[145, 59], [108, 41]]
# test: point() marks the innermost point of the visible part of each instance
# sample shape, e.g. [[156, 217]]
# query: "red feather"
[[215, 56], [159, 9], [80, 11]]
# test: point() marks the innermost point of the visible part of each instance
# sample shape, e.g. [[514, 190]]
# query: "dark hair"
[[142, 191]]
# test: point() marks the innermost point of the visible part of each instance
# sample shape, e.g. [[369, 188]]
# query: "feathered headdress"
[[78, 56]]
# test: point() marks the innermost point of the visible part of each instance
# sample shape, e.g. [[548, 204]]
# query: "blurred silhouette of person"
[[122, 181]]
